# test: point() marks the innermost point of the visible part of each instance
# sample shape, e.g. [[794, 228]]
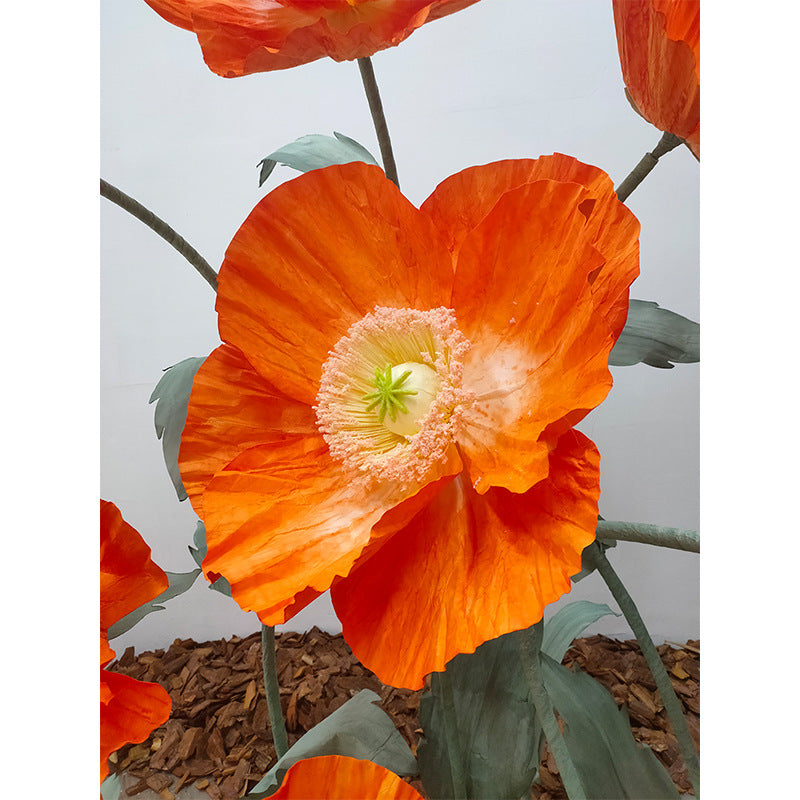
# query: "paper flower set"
[[391, 412]]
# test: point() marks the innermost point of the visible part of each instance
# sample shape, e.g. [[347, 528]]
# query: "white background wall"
[[503, 79]]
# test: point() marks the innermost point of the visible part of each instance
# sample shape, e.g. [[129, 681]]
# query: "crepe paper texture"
[[129, 709], [502, 297], [263, 35], [659, 51], [342, 778]]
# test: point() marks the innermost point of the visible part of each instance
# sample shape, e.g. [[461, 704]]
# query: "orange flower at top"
[[390, 413], [262, 35], [129, 709], [342, 778], [659, 49]]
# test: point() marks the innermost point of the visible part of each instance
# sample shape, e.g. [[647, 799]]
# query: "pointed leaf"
[[179, 582], [496, 724], [314, 152], [111, 788], [199, 551], [656, 337], [358, 729], [172, 396], [610, 762], [570, 622]]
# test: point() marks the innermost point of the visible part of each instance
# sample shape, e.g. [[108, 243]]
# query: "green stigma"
[[388, 396]]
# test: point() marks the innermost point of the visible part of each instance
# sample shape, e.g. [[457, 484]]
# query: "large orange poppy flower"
[[129, 709], [390, 413], [342, 778], [262, 35], [659, 49]]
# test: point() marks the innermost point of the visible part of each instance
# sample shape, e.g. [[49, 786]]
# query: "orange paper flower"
[[391, 410], [659, 49], [129, 709], [262, 35], [342, 778]]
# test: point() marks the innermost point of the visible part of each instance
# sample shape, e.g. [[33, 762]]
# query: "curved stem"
[[378, 118], [158, 225], [675, 538], [271, 690], [667, 142], [668, 697], [531, 651], [455, 751]]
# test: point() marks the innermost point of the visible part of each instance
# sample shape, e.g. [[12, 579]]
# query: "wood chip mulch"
[[218, 736]]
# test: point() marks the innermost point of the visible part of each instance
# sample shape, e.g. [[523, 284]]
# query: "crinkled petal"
[[342, 778], [315, 256], [283, 520], [231, 409], [540, 347], [659, 51], [129, 711], [461, 202], [262, 35], [469, 568], [128, 577]]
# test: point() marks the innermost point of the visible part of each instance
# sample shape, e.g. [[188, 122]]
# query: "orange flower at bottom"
[[129, 709], [342, 778], [659, 51], [391, 412]]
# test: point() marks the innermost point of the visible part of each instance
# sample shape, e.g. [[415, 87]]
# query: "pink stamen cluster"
[[354, 435]]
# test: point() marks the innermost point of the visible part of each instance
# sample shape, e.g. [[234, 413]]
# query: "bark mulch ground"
[[218, 736]]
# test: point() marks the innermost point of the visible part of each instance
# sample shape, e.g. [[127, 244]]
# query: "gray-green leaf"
[[172, 396], [496, 724], [611, 764], [199, 551], [314, 152], [179, 582], [111, 788], [358, 729], [569, 623], [656, 337]]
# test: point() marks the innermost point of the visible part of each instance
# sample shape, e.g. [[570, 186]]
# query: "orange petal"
[[540, 348], [129, 711], [231, 409], [469, 568], [316, 255], [461, 201], [283, 520], [659, 51], [342, 778], [128, 577], [261, 35]]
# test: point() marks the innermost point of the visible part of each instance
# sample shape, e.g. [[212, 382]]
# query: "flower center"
[[403, 396], [390, 394]]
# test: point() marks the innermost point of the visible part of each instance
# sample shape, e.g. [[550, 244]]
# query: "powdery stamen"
[[354, 434]]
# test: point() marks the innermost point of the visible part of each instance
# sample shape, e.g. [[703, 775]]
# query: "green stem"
[[668, 697], [378, 118], [158, 225], [675, 538], [271, 690], [531, 652], [667, 142], [455, 750]]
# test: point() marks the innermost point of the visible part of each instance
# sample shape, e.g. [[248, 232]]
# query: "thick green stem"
[[378, 118], [158, 225], [531, 653], [271, 690], [455, 749], [667, 142], [675, 538], [670, 700]]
